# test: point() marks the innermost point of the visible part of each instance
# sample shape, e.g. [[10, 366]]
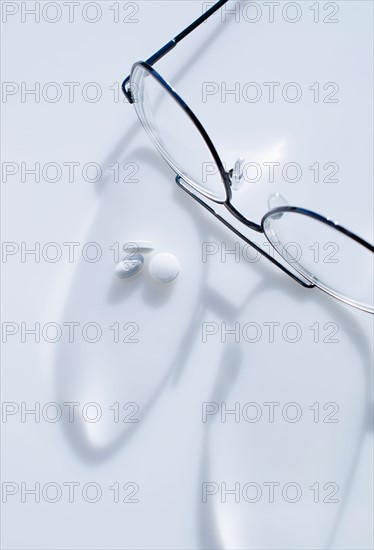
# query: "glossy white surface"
[[165, 367]]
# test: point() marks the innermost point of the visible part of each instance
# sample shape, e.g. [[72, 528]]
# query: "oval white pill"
[[129, 266], [164, 267], [138, 247]]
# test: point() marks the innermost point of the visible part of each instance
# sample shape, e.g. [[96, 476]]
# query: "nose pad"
[[236, 174], [276, 201]]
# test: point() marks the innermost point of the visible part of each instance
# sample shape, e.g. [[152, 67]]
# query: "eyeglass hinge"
[[127, 90]]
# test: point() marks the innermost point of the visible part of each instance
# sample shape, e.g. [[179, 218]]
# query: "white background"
[[170, 452]]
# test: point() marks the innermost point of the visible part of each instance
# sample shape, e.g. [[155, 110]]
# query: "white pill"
[[129, 266], [138, 247], [164, 267]]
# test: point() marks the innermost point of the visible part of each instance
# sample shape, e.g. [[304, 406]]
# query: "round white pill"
[[164, 267]]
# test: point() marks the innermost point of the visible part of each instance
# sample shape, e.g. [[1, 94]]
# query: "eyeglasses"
[[322, 253]]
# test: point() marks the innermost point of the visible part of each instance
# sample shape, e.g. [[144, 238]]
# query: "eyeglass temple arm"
[[228, 224], [172, 43]]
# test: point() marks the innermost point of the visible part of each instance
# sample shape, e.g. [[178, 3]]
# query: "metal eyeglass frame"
[[227, 176]]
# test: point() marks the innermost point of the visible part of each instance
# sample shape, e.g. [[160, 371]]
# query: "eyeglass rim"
[[227, 186], [334, 225], [225, 177], [319, 217]]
